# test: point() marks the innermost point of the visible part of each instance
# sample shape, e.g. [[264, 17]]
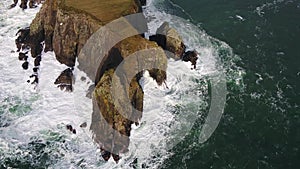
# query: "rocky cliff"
[[64, 26], [113, 55], [116, 115]]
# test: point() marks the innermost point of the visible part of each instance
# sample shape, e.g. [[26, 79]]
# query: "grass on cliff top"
[[104, 10]]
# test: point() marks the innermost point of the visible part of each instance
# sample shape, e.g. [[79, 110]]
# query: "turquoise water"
[[260, 127]]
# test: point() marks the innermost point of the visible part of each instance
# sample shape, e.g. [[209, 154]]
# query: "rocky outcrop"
[[111, 128], [169, 39], [64, 26], [131, 45], [112, 119]]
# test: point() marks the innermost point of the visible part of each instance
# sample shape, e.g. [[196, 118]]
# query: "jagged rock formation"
[[131, 45], [64, 26], [111, 128], [120, 119], [169, 39]]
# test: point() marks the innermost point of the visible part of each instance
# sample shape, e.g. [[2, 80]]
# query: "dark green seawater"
[[261, 126]]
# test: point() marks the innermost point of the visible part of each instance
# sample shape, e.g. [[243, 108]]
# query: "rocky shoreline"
[[64, 26]]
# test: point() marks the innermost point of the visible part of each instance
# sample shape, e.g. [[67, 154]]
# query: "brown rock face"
[[169, 39], [112, 119], [41, 28], [128, 47], [66, 25], [70, 35], [111, 128]]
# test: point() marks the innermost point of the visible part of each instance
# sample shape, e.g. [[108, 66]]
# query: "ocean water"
[[252, 43], [260, 125]]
